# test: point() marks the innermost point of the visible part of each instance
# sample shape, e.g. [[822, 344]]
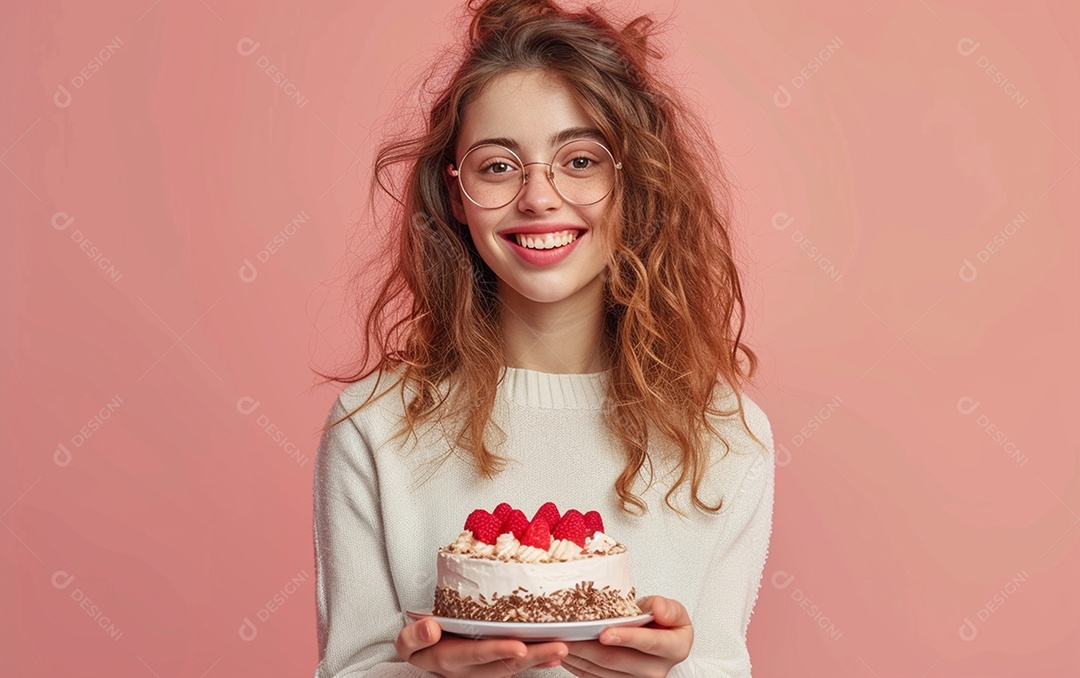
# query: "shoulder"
[[761, 467], [372, 412], [376, 386], [745, 460], [741, 416], [758, 423], [357, 415], [376, 396]]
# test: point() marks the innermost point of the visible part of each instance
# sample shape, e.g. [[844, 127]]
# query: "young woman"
[[595, 362]]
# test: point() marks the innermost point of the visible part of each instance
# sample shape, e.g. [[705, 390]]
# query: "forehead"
[[530, 108]]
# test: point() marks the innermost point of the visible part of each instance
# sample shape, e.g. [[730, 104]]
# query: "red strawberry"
[[549, 512], [502, 510], [474, 519], [593, 523], [516, 523], [571, 527], [573, 512], [537, 534], [484, 526]]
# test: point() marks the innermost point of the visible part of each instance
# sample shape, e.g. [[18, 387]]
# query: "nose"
[[539, 194]]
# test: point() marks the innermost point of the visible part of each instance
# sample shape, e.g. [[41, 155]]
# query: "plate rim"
[[644, 617]]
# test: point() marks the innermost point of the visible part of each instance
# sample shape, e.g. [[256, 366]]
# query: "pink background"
[[927, 492]]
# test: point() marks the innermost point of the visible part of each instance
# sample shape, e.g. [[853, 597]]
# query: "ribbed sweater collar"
[[554, 391]]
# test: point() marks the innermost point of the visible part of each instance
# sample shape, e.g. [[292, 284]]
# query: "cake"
[[554, 568]]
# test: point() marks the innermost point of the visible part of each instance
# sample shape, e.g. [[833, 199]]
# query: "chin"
[[546, 295]]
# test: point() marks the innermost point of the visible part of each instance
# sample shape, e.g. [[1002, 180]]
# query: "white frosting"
[[599, 543], [473, 577], [563, 549], [531, 554], [467, 543], [506, 546], [464, 543]]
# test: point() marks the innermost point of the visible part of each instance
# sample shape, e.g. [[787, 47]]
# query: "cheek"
[[601, 232], [481, 231], [482, 223]]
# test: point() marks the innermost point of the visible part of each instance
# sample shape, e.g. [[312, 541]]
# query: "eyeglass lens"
[[584, 173]]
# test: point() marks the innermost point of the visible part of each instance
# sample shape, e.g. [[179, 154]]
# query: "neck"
[[564, 337]]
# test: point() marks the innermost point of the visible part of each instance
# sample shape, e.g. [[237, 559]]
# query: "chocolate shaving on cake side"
[[584, 602]]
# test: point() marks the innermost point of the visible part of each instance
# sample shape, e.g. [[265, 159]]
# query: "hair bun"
[[498, 16]]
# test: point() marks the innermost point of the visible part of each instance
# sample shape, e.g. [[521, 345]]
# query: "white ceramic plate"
[[542, 631]]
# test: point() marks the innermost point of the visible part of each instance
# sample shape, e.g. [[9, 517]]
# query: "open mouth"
[[544, 241]]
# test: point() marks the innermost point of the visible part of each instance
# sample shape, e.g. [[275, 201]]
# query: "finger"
[[657, 642], [453, 653], [646, 604], [549, 654], [577, 672], [649, 641], [485, 658], [545, 655], [417, 636], [666, 612], [589, 668], [612, 658], [674, 643]]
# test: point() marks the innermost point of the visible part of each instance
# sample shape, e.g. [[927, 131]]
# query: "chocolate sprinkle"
[[584, 602]]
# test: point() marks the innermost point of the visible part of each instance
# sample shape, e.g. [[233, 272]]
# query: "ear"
[[454, 190]]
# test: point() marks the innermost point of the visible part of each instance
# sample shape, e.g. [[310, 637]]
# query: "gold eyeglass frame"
[[455, 172]]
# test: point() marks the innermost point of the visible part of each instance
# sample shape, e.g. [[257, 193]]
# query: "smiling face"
[[533, 114]]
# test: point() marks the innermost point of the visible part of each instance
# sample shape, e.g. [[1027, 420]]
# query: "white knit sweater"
[[382, 510]]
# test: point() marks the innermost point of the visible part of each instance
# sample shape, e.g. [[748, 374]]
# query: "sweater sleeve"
[[733, 578], [358, 613]]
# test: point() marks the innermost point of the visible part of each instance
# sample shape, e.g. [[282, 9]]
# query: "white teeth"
[[546, 241]]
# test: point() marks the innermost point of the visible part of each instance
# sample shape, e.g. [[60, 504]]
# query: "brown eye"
[[497, 167]]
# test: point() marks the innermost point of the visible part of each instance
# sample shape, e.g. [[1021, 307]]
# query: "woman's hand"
[[646, 652], [422, 645]]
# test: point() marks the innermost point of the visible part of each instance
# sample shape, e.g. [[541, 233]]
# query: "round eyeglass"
[[582, 172]]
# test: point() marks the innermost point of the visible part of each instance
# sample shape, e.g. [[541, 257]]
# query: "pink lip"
[[544, 257]]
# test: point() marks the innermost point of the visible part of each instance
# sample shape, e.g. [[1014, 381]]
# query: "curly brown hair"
[[674, 310]]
